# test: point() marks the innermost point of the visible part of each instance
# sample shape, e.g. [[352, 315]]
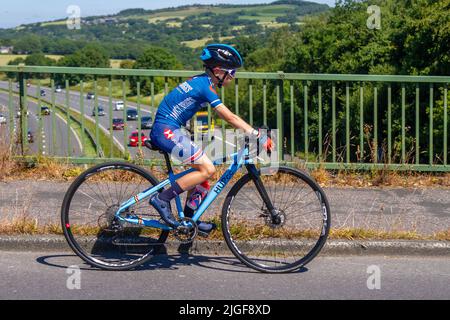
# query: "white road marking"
[[73, 131]]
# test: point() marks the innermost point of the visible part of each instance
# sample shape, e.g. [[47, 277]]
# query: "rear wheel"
[[285, 240], [89, 222]]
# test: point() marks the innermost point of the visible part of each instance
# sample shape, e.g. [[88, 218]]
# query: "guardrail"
[[328, 120]]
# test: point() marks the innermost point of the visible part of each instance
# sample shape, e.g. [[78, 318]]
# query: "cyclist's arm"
[[224, 113]]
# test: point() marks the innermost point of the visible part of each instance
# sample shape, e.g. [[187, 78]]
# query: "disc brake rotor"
[[277, 221]]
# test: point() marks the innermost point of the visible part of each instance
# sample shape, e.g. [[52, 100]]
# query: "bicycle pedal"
[[203, 234]]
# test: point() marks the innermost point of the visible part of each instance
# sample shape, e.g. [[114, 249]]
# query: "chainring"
[[186, 233]]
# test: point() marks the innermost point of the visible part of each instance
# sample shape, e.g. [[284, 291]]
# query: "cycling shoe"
[[164, 210], [205, 228]]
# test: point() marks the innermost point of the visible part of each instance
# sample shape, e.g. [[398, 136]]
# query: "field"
[[54, 23], [263, 14], [5, 58], [115, 63], [201, 42]]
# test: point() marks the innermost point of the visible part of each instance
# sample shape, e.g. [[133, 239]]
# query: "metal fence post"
[[23, 110], [280, 98]]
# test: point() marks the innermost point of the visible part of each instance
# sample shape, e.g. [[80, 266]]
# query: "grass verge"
[[26, 225], [380, 178]]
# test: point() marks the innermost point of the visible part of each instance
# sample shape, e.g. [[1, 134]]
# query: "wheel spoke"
[[275, 245], [92, 208]]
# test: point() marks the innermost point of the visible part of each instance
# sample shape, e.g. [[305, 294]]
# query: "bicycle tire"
[[68, 227], [237, 246]]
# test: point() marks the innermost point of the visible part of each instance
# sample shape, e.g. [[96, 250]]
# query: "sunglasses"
[[230, 72]]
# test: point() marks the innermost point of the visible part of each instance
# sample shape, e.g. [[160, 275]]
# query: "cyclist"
[[178, 107]]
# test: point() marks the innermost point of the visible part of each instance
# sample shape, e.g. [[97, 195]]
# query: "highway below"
[[120, 138], [44, 135]]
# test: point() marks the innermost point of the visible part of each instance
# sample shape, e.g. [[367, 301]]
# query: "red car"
[[134, 138], [118, 124]]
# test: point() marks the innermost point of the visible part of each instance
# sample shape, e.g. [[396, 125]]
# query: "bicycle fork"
[[255, 176]]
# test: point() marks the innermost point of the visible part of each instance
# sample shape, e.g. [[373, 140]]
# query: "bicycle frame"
[[239, 159]]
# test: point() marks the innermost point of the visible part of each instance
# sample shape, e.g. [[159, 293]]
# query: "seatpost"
[[168, 163]]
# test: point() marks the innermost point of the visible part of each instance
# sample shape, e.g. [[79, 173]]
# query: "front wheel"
[[289, 237]]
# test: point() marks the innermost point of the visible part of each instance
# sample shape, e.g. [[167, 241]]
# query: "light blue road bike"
[[273, 220]]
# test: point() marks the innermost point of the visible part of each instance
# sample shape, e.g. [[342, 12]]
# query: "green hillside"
[[180, 30]]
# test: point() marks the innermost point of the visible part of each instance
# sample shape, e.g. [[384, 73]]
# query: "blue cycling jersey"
[[184, 101]]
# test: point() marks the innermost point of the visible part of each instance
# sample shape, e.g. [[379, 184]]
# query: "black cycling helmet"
[[221, 55]]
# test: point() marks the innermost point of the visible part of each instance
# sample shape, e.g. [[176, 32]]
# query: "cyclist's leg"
[[204, 170], [174, 141]]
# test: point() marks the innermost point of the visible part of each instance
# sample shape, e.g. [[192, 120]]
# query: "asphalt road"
[[26, 275], [57, 147], [104, 121], [120, 137]]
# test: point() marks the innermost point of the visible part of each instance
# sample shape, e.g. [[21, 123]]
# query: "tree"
[[91, 56], [14, 62], [423, 38], [28, 44], [39, 59], [157, 59]]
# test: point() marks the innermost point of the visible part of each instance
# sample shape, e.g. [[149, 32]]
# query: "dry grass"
[[382, 178], [38, 169], [366, 234], [43, 168], [23, 224], [442, 235], [6, 164]]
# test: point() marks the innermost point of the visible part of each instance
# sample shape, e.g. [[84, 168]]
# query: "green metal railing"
[[329, 120]]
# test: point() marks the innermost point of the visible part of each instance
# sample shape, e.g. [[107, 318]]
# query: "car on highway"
[[101, 111], [18, 114], [134, 139], [45, 111], [58, 89], [118, 105], [42, 93], [18, 85], [90, 96], [2, 119], [146, 122], [30, 137], [118, 124], [132, 114]]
